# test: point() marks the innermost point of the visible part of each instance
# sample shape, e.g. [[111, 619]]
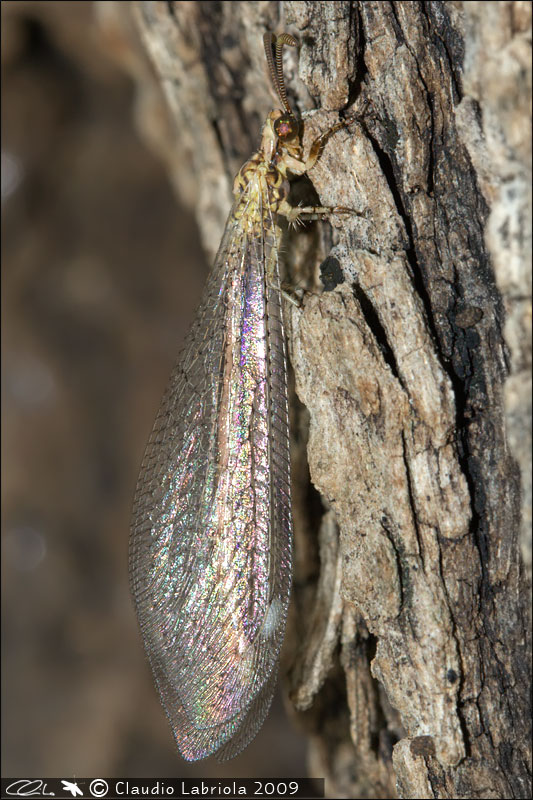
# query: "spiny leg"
[[318, 145], [296, 214]]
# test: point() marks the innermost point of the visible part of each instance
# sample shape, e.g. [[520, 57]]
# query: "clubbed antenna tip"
[[274, 55]]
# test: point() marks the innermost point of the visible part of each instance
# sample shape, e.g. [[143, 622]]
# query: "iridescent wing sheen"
[[210, 550]]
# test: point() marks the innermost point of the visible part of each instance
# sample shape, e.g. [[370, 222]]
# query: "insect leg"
[[295, 214], [318, 145]]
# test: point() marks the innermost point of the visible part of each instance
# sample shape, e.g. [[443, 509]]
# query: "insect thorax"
[[261, 187]]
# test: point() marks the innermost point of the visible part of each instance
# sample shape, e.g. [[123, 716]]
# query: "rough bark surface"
[[408, 645]]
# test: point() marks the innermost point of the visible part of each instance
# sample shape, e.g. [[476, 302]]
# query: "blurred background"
[[102, 271]]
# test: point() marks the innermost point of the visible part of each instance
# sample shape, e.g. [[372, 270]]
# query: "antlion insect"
[[210, 549]]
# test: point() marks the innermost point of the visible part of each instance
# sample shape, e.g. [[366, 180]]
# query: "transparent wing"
[[210, 550]]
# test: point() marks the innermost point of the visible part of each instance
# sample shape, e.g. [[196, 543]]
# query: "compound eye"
[[286, 127]]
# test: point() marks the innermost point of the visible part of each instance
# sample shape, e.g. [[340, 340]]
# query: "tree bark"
[[408, 646]]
